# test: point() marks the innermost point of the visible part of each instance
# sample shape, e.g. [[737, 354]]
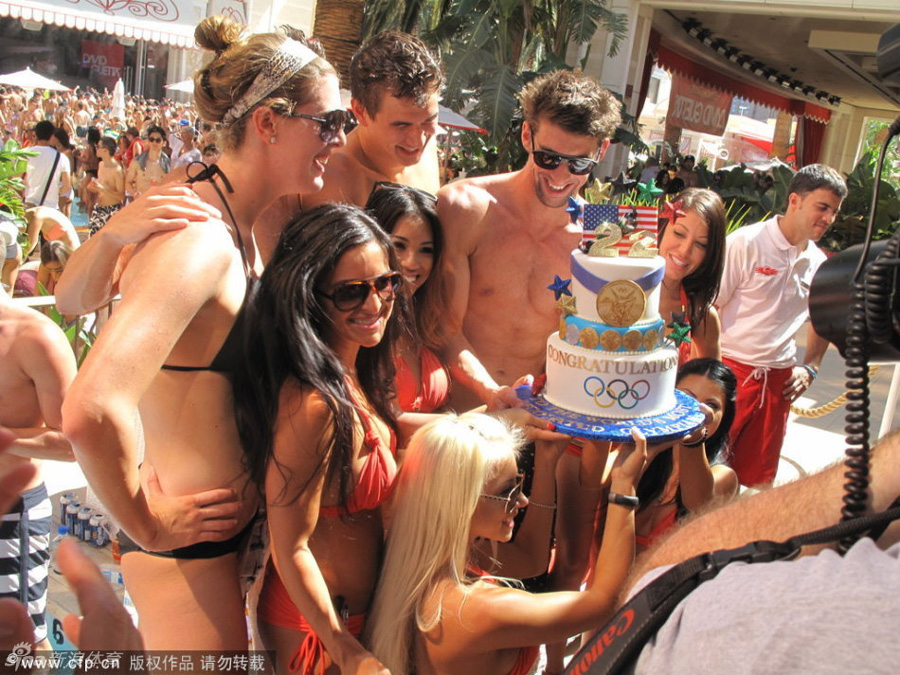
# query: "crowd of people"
[[296, 327], [92, 160]]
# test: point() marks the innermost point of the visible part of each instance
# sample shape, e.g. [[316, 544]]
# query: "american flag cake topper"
[[629, 219]]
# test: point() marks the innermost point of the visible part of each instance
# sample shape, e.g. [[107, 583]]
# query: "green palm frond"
[[462, 68], [13, 162], [497, 103]]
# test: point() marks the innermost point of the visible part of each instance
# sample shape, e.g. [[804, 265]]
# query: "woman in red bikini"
[[693, 246], [434, 612], [314, 406], [408, 215], [690, 474]]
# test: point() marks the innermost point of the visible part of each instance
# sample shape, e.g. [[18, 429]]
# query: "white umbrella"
[[186, 86], [118, 100], [454, 120], [28, 79]]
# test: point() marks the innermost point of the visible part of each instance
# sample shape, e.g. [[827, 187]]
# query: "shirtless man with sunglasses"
[[507, 235]]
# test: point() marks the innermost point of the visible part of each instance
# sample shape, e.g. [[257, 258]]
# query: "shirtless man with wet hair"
[[395, 82], [505, 237]]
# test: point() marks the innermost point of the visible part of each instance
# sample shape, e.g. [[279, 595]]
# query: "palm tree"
[[338, 25]]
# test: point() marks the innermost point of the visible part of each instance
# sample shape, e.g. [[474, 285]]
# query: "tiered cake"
[[610, 357]]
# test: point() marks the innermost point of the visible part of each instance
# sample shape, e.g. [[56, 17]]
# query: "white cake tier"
[[601, 270], [592, 383]]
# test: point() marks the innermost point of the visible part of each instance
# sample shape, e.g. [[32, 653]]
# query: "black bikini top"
[[230, 354]]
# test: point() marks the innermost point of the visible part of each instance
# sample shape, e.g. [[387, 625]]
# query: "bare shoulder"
[[346, 182], [34, 338], [41, 332], [304, 420], [469, 195], [204, 248], [463, 207]]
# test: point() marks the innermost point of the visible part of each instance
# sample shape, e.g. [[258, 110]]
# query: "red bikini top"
[[376, 480], [428, 395]]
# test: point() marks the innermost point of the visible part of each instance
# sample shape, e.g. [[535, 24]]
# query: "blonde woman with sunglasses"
[[435, 613], [159, 377]]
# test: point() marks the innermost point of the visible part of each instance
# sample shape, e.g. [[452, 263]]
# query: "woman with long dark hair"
[[314, 407], [408, 215], [694, 471], [693, 246]]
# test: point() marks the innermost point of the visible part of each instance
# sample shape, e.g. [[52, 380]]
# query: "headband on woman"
[[288, 59]]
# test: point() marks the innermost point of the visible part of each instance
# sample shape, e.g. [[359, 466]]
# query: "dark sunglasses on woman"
[[331, 123], [578, 166], [350, 295]]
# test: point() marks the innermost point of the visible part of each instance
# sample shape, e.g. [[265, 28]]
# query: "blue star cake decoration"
[[560, 287], [574, 209]]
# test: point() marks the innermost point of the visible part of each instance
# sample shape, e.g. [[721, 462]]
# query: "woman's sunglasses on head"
[[332, 123], [350, 295]]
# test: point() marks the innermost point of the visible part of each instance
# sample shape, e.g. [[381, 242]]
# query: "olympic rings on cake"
[[627, 397]]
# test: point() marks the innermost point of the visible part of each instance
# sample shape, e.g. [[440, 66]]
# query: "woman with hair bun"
[[162, 368]]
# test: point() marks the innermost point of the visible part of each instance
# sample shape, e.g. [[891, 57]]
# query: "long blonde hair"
[[444, 472]]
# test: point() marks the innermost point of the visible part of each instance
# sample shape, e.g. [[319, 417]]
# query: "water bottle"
[[61, 533]]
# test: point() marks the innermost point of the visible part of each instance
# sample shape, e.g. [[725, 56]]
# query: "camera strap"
[[623, 637]]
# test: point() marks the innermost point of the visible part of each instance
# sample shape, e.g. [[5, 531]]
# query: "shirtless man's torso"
[[110, 180], [506, 236], [36, 368]]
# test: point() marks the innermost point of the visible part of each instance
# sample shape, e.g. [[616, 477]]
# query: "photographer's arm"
[[804, 505]]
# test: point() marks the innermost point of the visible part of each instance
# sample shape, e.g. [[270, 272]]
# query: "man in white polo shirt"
[[762, 303]]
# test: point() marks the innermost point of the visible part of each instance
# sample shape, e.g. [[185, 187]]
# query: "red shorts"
[[760, 422]]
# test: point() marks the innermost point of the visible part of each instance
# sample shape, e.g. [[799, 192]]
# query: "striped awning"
[[674, 62], [169, 22]]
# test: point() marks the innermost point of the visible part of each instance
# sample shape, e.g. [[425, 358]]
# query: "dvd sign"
[[693, 106], [104, 61]]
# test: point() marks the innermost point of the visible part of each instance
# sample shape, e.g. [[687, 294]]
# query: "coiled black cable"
[[856, 461], [870, 314]]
